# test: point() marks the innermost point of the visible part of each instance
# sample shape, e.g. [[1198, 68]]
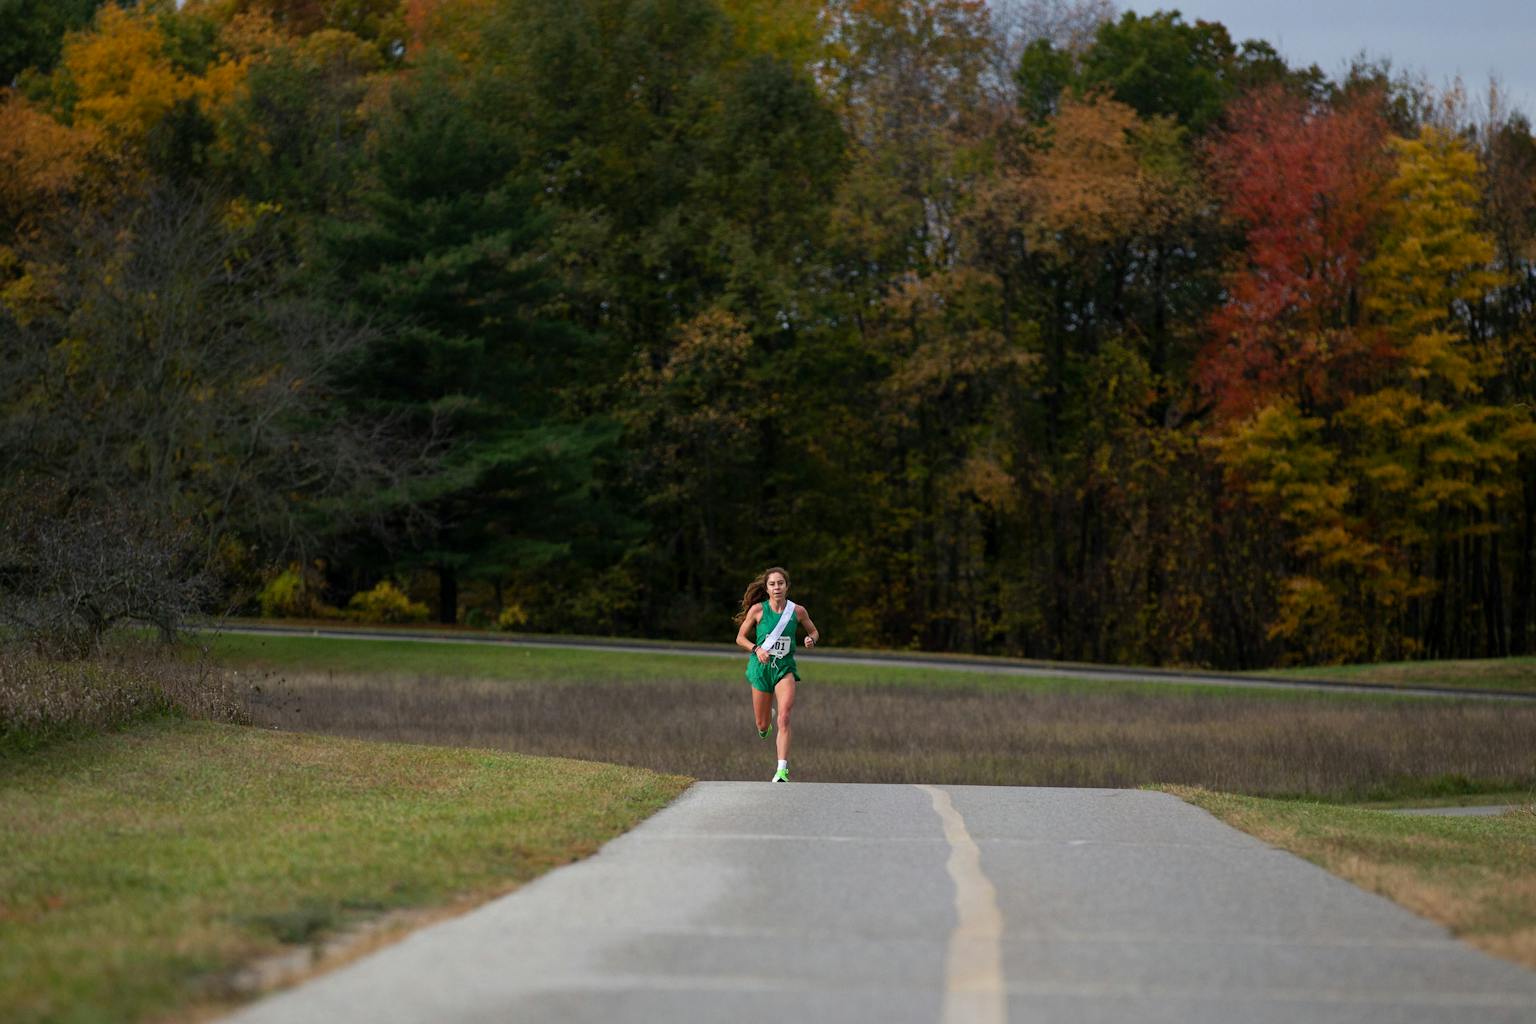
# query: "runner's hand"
[[810, 641], [762, 656]]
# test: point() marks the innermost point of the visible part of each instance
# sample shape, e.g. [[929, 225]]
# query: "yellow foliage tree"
[[1382, 495], [1433, 259], [1289, 462], [119, 77], [1434, 455]]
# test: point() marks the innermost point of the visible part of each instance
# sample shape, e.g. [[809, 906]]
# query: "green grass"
[[138, 868], [1510, 674], [400, 658], [1475, 875]]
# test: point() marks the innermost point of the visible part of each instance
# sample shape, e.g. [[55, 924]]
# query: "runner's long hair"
[[757, 591]]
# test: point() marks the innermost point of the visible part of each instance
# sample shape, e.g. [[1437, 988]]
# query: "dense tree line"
[[1017, 327]]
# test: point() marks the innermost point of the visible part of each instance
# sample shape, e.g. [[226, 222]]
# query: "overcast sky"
[[1441, 38]]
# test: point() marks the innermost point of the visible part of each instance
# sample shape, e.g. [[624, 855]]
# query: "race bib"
[[779, 647]]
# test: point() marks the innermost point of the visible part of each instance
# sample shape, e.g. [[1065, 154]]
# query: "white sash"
[[784, 620]]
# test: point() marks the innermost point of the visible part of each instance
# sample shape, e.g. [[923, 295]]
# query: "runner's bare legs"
[[762, 706], [785, 691]]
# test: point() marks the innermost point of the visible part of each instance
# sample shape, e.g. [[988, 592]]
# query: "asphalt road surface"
[[747, 902]]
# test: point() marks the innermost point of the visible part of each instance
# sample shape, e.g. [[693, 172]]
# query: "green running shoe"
[[765, 733], [782, 775]]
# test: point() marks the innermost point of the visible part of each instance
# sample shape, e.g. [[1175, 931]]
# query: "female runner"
[[769, 620]]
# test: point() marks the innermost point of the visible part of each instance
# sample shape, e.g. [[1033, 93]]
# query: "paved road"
[[1006, 666], [842, 903]]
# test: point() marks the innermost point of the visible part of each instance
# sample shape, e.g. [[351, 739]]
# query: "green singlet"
[[781, 659]]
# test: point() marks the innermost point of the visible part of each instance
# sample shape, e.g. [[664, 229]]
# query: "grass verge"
[[139, 869], [1511, 674], [1476, 876]]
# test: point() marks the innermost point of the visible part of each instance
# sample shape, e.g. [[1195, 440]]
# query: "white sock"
[[783, 765]]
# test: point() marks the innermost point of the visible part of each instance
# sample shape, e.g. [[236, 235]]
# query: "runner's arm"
[[742, 637], [812, 634]]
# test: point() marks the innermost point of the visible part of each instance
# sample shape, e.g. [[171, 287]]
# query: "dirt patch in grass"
[[1049, 736], [1476, 876]]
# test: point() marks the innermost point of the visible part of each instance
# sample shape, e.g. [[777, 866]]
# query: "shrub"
[[512, 616], [292, 594], [72, 569], [283, 595], [385, 603]]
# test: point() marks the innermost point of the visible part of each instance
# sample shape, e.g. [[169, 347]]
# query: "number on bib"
[[780, 647]]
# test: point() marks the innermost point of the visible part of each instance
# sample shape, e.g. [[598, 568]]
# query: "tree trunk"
[[1493, 601], [447, 595], [1520, 642]]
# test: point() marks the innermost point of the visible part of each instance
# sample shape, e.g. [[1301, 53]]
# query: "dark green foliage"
[[443, 249], [1042, 74], [1160, 65], [178, 146], [32, 32], [297, 132], [169, 408]]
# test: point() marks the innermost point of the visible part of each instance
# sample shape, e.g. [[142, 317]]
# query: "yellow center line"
[[973, 973]]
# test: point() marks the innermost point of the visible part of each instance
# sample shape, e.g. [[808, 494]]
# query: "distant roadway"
[[1004, 666]]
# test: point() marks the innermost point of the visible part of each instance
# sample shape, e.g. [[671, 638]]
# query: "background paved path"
[[846, 903]]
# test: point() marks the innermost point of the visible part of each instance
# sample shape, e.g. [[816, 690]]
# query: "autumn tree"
[[1437, 459], [1508, 156], [381, 22], [1118, 235], [133, 70], [1305, 185], [45, 167], [910, 81], [1291, 347]]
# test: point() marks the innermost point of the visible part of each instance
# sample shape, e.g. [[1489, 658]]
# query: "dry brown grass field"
[[1082, 734]]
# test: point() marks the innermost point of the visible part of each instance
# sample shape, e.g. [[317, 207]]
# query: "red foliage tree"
[[1306, 185]]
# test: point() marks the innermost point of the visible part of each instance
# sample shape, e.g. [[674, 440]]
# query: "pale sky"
[[1440, 38]]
